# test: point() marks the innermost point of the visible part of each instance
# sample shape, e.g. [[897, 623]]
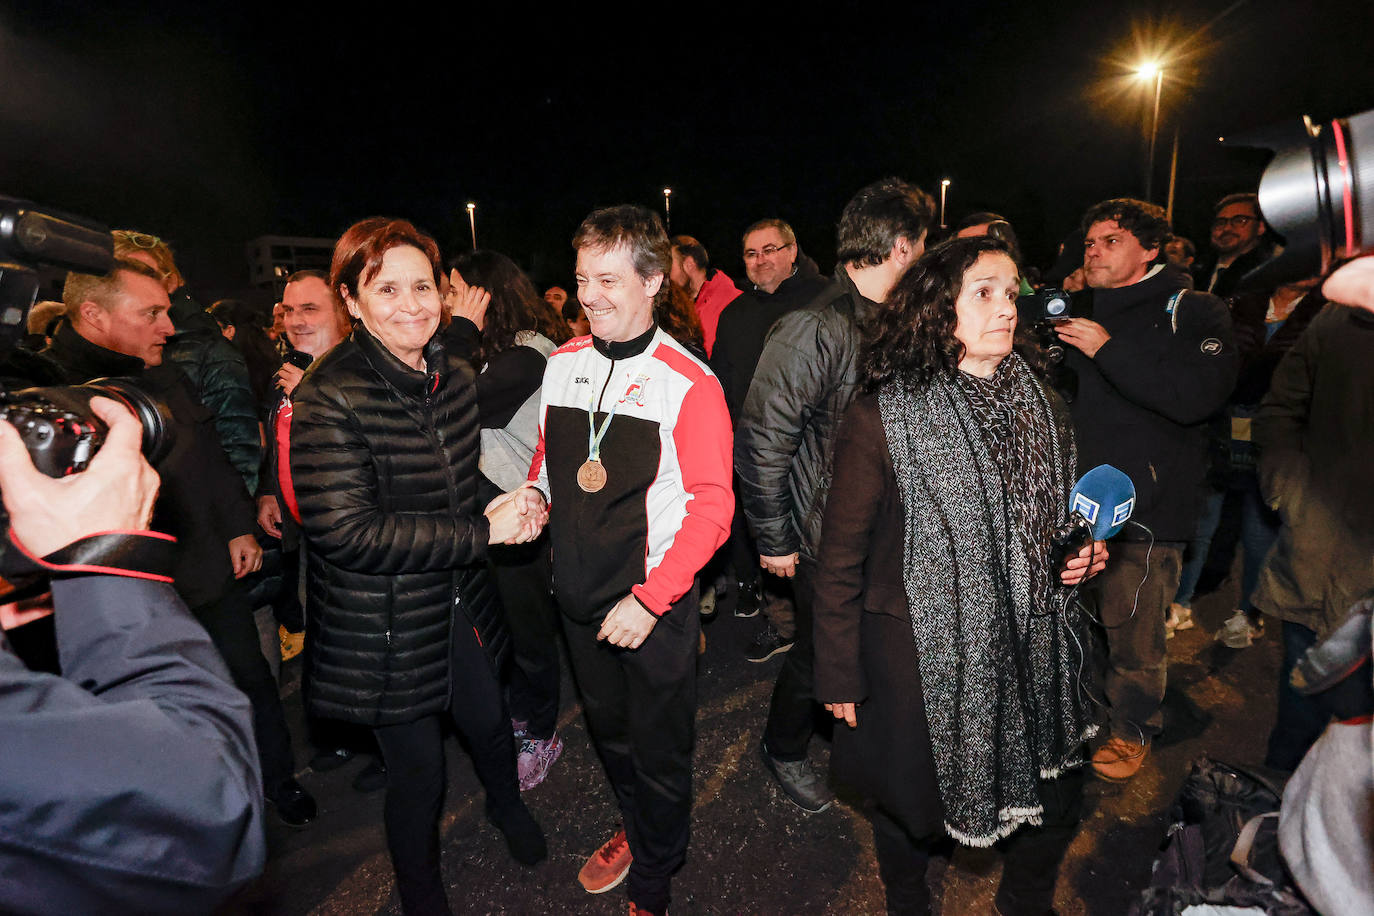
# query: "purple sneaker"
[[535, 758]]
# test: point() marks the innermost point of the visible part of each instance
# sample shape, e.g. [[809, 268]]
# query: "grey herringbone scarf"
[[984, 473]]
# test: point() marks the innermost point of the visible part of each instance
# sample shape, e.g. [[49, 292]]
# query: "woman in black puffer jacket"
[[383, 456]]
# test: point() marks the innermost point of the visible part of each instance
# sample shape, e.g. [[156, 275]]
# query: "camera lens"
[[62, 434]]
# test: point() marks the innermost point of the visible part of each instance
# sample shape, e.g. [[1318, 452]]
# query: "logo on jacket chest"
[[634, 394]]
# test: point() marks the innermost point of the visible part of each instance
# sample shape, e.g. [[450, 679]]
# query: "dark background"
[[213, 123]]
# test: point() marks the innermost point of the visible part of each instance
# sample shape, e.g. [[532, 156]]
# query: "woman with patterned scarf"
[[945, 641]]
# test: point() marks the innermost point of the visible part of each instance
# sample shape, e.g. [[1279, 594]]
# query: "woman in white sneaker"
[[944, 639]]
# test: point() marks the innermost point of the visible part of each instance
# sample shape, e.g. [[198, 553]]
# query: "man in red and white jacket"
[[634, 462]]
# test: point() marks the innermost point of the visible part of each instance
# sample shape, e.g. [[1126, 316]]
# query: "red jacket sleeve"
[[704, 444]]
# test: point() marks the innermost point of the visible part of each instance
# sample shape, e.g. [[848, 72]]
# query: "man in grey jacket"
[[784, 441]]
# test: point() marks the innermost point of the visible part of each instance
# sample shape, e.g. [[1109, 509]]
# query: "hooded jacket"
[[1144, 399], [383, 469]]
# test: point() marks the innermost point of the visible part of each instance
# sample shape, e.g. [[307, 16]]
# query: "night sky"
[[211, 123]]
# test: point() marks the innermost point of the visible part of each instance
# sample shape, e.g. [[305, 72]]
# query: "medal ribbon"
[[594, 436]]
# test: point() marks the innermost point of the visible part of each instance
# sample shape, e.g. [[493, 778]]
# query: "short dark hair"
[[640, 230], [688, 247], [1249, 198], [308, 273], [1189, 248], [360, 250], [912, 339], [879, 215], [1144, 220], [783, 227]]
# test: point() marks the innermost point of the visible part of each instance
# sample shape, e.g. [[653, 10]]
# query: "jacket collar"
[[1156, 286], [83, 360], [864, 308], [624, 349], [404, 379]]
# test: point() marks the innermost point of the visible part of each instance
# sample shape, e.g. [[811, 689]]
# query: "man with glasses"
[[1239, 241], [781, 278]]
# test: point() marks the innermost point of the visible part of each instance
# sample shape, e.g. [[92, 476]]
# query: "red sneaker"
[[608, 866]]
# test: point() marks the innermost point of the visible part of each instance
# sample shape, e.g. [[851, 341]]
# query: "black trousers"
[[792, 714], [523, 574], [414, 757], [229, 622], [1030, 864], [641, 711]]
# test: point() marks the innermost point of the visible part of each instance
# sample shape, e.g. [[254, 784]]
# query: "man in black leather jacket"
[[784, 440]]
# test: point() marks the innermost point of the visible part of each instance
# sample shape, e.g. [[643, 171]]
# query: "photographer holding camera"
[[130, 783], [117, 325], [1152, 364]]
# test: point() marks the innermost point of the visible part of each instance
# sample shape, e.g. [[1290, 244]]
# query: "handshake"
[[517, 517]]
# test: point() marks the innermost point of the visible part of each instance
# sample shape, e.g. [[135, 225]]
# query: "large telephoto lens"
[[63, 435], [1318, 194]]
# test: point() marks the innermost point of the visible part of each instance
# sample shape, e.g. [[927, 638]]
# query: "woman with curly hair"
[[944, 639]]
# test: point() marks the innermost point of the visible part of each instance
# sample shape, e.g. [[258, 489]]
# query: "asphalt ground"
[[752, 851]]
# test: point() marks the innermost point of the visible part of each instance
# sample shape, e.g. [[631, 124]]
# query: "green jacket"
[[219, 377]]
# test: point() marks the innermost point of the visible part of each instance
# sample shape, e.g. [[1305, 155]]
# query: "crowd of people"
[[460, 474]]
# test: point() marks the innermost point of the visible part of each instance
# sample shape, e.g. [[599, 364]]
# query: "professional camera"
[[63, 435], [1040, 311], [58, 427], [1317, 193]]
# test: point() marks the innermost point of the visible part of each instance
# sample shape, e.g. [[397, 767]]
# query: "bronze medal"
[[591, 476]]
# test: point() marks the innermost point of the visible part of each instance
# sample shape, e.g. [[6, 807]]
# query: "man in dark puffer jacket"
[[784, 442]]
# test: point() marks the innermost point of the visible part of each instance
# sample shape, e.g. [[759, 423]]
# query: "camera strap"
[[133, 554]]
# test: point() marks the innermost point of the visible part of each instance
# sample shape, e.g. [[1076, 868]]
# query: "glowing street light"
[[472, 223], [944, 188], [1151, 70], [667, 212]]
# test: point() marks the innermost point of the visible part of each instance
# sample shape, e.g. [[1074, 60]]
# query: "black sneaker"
[[371, 777], [332, 759], [295, 806], [747, 599], [767, 644]]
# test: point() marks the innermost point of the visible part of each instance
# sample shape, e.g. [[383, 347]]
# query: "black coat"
[[745, 323], [383, 464], [202, 500], [1144, 399]]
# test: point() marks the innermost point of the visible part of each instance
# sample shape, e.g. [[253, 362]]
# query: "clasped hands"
[[517, 517]]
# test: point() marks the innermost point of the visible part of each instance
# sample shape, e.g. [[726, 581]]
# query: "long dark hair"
[[515, 304], [912, 339], [251, 340]]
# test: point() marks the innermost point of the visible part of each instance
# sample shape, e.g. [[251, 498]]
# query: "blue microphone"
[[1099, 506]]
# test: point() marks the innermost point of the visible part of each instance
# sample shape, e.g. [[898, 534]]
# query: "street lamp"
[[667, 212], [944, 188], [1151, 70], [472, 223]]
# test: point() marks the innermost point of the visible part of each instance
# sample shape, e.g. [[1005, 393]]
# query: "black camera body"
[[1041, 311], [63, 435]]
